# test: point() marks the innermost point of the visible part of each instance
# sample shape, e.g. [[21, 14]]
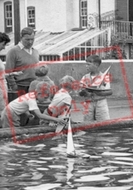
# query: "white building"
[[63, 25], [52, 15]]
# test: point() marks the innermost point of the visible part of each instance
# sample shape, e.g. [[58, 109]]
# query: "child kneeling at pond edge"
[[60, 105], [42, 76], [24, 104]]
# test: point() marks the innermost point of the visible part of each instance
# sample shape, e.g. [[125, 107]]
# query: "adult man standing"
[[22, 57]]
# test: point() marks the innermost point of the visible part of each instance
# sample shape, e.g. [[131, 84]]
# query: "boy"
[[97, 104], [41, 73], [26, 103], [61, 103]]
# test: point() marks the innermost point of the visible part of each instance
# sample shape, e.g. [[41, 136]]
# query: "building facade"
[[54, 16], [63, 25]]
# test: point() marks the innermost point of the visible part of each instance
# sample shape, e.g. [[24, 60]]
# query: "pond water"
[[43, 165]]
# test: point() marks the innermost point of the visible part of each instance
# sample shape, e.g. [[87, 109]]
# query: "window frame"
[[83, 12], [8, 16], [33, 18]]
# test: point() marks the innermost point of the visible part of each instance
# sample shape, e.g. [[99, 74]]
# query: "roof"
[[48, 43]]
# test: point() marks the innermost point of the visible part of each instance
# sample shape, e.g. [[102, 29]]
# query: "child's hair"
[[41, 71], [43, 89], [94, 59], [67, 82], [4, 38]]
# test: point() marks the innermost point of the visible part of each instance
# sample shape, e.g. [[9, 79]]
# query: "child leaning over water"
[[42, 76], [24, 104], [60, 105]]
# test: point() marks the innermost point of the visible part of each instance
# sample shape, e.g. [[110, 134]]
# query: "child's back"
[[41, 74]]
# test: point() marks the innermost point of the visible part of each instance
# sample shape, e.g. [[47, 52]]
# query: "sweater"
[[18, 59]]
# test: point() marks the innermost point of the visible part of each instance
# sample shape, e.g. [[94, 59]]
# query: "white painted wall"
[[1, 16], [50, 15], [42, 10], [56, 15], [69, 14], [23, 11], [75, 14], [107, 5], [92, 6]]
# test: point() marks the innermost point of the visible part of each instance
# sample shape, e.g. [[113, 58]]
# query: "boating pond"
[[44, 165]]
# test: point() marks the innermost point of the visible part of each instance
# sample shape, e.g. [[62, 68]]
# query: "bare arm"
[[13, 73], [50, 118], [60, 108]]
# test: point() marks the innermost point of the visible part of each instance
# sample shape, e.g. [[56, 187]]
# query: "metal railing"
[[122, 30]]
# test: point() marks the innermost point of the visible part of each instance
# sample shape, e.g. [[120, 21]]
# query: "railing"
[[92, 45], [122, 30]]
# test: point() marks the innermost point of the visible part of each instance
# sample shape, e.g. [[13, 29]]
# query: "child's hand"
[[61, 121], [31, 117], [66, 118], [84, 93]]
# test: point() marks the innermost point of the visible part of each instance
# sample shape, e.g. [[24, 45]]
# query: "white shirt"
[[24, 103], [3, 82], [2, 70], [22, 47], [61, 96], [87, 79]]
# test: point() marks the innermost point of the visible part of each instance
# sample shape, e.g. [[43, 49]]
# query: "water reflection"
[[44, 165]]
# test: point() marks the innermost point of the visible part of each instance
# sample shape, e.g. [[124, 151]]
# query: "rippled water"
[[43, 165]]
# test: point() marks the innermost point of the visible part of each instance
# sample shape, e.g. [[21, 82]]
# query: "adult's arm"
[[9, 67]]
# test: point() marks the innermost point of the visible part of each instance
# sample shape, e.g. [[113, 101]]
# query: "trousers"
[[97, 111]]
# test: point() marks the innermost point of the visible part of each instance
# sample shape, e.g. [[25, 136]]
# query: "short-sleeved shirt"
[[87, 81], [46, 79], [61, 96], [24, 103]]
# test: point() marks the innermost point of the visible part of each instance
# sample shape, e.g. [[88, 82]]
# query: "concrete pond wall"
[[121, 84], [121, 74]]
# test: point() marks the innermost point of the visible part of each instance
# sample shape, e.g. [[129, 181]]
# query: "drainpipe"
[[26, 23], [99, 13], [16, 21]]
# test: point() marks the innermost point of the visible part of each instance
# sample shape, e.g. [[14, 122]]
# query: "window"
[[31, 16], [83, 13], [8, 16]]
